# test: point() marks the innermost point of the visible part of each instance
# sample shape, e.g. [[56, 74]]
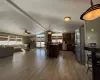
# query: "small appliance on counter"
[[92, 45]]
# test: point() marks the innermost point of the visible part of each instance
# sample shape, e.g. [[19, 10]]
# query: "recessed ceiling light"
[[89, 37], [67, 18], [92, 29]]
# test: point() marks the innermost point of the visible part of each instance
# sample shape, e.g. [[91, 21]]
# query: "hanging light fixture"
[[49, 31], [92, 13]]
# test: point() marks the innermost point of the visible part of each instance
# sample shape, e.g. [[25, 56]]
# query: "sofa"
[[6, 51]]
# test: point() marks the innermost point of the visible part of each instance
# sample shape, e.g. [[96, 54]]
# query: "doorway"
[[40, 40]]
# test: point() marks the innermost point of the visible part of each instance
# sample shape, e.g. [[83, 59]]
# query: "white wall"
[[92, 36]]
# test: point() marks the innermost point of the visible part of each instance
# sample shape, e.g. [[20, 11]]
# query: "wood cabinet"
[[69, 39], [49, 38]]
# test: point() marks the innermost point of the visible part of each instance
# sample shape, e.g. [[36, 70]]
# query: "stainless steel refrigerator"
[[79, 45]]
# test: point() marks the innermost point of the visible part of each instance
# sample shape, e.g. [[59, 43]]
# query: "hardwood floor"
[[35, 65]]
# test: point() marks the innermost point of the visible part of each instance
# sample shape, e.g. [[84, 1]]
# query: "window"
[[3, 39], [42, 44], [54, 40], [10, 39], [38, 44], [57, 38], [40, 40], [3, 42], [19, 41]]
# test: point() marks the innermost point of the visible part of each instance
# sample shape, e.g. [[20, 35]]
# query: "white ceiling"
[[46, 12]]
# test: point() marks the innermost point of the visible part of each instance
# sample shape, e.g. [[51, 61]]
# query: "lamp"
[[92, 13]]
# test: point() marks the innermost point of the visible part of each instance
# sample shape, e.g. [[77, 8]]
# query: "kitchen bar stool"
[[89, 61]]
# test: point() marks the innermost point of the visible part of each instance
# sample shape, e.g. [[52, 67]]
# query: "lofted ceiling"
[[43, 13]]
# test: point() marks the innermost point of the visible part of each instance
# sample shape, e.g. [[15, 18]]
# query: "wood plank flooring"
[[34, 65]]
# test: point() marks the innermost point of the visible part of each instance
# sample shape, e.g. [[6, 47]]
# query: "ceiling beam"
[[25, 13]]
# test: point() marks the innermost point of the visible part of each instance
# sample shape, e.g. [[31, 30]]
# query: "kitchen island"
[[53, 50]]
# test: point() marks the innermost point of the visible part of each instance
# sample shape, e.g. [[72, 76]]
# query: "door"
[[40, 41]]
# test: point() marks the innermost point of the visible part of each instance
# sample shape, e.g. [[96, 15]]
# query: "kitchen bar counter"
[[95, 62]]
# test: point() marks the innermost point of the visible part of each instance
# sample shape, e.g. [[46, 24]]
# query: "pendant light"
[[92, 13], [49, 32]]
